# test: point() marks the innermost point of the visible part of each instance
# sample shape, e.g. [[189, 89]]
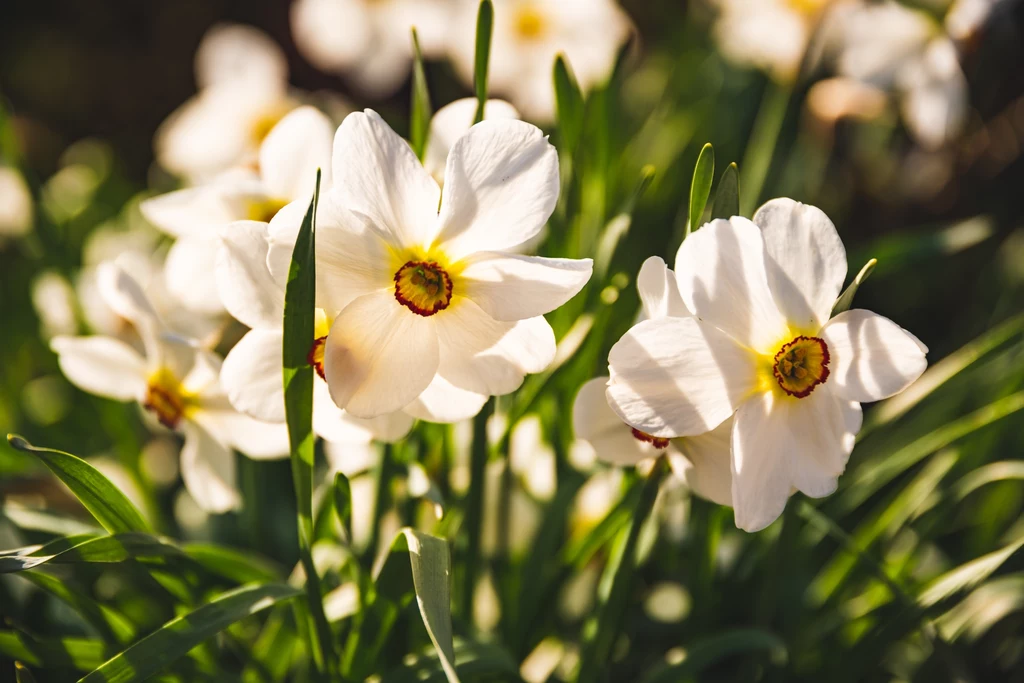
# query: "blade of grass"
[[420, 109], [727, 196], [569, 102], [700, 187], [484, 33], [845, 300]]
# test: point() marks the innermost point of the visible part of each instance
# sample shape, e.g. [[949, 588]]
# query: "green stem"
[[382, 501], [475, 507], [616, 584], [757, 158]]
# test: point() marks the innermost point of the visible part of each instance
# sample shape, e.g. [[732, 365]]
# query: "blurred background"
[[903, 121]]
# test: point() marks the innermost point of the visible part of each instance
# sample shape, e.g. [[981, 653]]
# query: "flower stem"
[[381, 501], [475, 508], [616, 582], [760, 148]]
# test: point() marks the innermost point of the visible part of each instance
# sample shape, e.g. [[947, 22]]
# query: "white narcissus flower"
[[451, 122], [762, 349], [529, 34], [771, 35], [252, 373], [702, 460], [434, 313], [178, 384], [288, 159], [16, 209], [369, 41]]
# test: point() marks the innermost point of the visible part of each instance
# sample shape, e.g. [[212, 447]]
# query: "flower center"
[[530, 22], [655, 441], [316, 356], [263, 210], [423, 287], [164, 398], [801, 365], [264, 122], [808, 8]]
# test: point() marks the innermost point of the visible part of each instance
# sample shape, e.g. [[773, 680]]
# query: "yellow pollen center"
[[809, 8], [530, 22], [423, 287], [655, 441], [801, 365], [316, 356], [263, 210], [262, 124], [165, 398]]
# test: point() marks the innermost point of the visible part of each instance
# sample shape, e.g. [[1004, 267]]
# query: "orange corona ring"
[[655, 441], [316, 356], [801, 365], [423, 287]]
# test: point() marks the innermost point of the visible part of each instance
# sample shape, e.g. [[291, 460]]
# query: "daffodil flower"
[[451, 122], [702, 461], [431, 311], [177, 384], [761, 348], [529, 34], [288, 159], [252, 375]]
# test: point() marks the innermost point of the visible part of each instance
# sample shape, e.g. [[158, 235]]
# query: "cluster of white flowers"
[[742, 369]]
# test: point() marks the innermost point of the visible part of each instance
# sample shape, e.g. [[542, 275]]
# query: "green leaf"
[[708, 652], [343, 503], [569, 101], [299, 314], [83, 654], [845, 300], [476, 661], [484, 32], [105, 501], [46, 521], [111, 625], [22, 674], [175, 638], [727, 196], [967, 575], [233, 564], [700, 188], [430, 562], [104, 549], [420, 110], [1003, 470]]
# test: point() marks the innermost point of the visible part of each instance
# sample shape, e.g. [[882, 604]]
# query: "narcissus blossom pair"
[[430, 311], [762, 349], [177, 383]]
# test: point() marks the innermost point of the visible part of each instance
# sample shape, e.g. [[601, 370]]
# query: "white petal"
[[194, 211], [244, 282], [708, 467], [376, 174], [451, 122], [257, 439], [190, 273], [293, 151], [335, 425], [659, 291], [500, 187], [252, 376], [811, 261], [208, 470], [722, 278], [444, 402], [871, 357], [379, 355], [514, 287], [780, 443], [123, 295], [203, 376], [678, 376], [351, 457], [102, 366], [486, 356], [233, 53], [595, 422]]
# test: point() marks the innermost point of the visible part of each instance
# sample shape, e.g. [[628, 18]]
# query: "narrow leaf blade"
[[484, 32], [569, 101], [421, 111], [343, 503], [727, 196], [700, 188], [845, 300]]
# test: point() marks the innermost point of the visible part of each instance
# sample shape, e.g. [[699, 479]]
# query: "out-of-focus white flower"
[[529, 34], [54, 301], [771, 35], [934, 95], [288, 159], [16, 211], [178, 384], [760, 346], [434, 314], [702, 460], [252, 375], [451, 122], [242, 77], [966, 17], [370, 41]]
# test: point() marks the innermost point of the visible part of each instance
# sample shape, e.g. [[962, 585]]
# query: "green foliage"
[[420, 110], [700, 187], [482, 59]]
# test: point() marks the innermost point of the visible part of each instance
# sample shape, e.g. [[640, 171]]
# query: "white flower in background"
[[16, 212], [288, 159], [177, 383], [771, 35], [53, 298], [242, 77], [702, 460], [529, 34], [369, 41], [433, 312], [966, 17], [252, 375], [761, 348], [451, 122]]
